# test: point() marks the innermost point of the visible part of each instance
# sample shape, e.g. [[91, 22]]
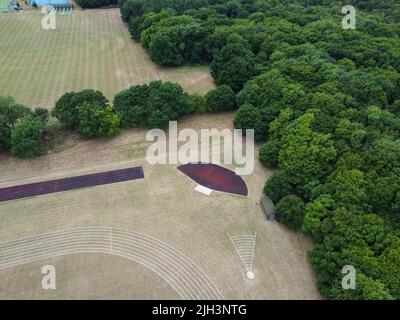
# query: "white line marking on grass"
[[244, 246], [189, 281]]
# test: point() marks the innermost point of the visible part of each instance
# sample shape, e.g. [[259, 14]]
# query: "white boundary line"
[[186, 277], [244, 246]]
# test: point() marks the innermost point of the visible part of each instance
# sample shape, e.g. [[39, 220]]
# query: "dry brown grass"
[[163, 205]]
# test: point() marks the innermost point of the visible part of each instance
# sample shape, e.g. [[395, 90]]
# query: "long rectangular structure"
[[41, 3], [65, 184]]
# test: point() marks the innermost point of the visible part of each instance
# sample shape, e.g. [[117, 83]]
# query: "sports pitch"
[[152, 238], [89, 49], [163, 206]]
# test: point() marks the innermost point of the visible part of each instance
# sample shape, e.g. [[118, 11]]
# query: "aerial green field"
[[88, 49]]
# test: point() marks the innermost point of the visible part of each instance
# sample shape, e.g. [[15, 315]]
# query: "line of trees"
[[89, 4], [325, 102], [27, 134]]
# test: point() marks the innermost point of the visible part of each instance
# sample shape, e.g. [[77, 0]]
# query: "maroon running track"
[[215, 177], [59, 185]]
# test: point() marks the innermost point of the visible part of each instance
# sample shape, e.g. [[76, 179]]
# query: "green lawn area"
[[88, 49]]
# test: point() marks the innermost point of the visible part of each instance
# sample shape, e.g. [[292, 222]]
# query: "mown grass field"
[[88, 49]]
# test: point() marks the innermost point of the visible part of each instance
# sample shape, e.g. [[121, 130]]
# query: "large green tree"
[[67, 106], [306, 155], [279, 185], [11, 113], [97, 121], [234, 64], [26, 138], [220, 99], [290, 211], [131, 105]]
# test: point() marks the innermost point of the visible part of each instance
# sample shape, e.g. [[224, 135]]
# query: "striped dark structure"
[[65, 184], [215, 177]]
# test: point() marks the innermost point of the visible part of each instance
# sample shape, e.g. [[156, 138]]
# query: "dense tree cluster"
[[96, 3], [26, 138], [290, 211], [326, 102], [220, 99], [21, 129], [27, 133], [152, 105], [88, 112], [67, 106], [97, 121]]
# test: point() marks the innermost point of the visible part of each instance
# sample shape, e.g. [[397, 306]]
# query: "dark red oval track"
[[215, 177]]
